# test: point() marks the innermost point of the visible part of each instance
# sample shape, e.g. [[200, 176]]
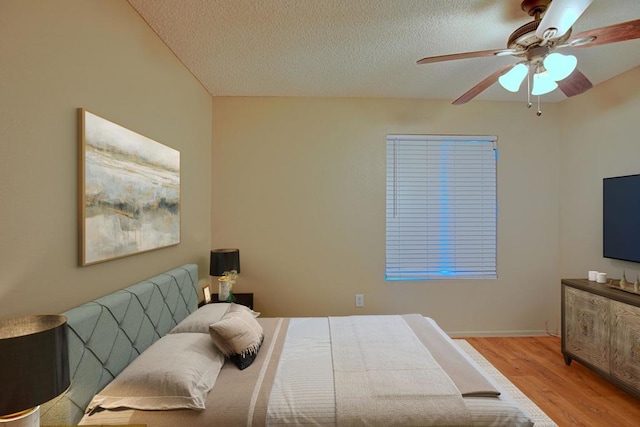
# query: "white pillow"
[[177, 371], [238, 335], [199, 320], [235, 306]]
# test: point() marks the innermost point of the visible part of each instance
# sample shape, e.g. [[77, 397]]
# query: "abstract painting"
[[129, 191]]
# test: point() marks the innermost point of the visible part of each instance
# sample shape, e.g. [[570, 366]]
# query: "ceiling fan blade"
[[453, 56], [483, 85], [560, 17], [610, 34], [575, 84]]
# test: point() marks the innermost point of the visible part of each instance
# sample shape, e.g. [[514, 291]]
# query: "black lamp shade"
[[34, 361], [224, 260]]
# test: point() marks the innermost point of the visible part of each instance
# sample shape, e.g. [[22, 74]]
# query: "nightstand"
[[244, 299]]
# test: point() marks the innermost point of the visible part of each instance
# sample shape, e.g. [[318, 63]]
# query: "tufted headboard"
[[107, 334]]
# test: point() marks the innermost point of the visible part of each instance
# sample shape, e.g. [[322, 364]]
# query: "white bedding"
[[301, 395], [306, 396], [303, 390]]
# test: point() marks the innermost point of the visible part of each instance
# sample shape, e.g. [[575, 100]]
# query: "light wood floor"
[[570, 395]]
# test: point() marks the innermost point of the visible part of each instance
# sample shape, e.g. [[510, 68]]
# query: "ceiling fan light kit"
[[556, 67], [536, 42]]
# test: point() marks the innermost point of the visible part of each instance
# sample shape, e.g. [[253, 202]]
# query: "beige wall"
[[299, 186], [599, 139], [56, 56], [296, 184]]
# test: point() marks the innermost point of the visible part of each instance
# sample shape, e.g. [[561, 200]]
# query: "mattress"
[[292, 382]]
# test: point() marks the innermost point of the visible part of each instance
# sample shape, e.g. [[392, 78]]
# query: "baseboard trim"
[[477, 334]]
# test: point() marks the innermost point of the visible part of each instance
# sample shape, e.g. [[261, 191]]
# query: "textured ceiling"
[[364, 48]]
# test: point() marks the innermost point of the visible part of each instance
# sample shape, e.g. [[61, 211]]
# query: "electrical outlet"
[[359, 300]]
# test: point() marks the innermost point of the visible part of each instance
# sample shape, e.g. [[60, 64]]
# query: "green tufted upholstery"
[[106, 334]]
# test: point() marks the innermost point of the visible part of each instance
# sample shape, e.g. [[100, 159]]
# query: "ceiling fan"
[[536, 43]]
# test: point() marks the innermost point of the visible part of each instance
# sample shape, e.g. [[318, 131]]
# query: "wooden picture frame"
[[128, 191], [206, 291]]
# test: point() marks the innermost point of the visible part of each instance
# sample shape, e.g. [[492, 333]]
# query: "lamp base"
[[223, 290], [28, 418]]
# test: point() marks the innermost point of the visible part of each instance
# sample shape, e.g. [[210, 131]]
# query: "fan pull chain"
[[528, 86], [539, 112]]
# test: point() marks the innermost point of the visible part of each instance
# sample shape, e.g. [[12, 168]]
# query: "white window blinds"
[[441, 207]]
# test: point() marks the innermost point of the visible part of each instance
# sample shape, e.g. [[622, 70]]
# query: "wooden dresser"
[[601, 329]]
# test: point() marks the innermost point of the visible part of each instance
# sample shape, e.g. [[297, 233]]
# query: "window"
[[441, 207]]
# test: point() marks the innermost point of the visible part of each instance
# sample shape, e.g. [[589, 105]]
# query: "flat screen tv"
[[621, 217]]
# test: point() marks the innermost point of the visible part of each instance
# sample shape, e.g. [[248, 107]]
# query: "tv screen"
[[621, 217]]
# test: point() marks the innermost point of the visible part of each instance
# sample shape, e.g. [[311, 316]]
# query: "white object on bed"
[[177, 371], [302, 391], [238, 335], [308, 344], [385, 376], [199, 320], [301, 395]]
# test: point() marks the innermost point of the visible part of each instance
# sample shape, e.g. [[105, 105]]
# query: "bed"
[[148, 355]]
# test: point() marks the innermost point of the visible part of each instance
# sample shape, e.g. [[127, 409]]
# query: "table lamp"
[[34, 366], [225, 263]]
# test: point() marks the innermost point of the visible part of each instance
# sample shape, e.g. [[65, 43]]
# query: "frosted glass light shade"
[[543, 83], [512, 79], [559, 66]]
